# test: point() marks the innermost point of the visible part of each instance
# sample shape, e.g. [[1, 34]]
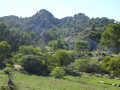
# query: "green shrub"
[[10, 85], [9, 70], [33, 61], [89, 54], [29, 50], [103, 54], [95, 61], [58, 72], [81, 65], [93, 67], [105, 64], [37, 64], [114, 65], [111, 65], [62, 57], [5, 87], [80, 48]]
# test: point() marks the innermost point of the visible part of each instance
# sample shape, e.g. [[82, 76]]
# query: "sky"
[[62, 8]]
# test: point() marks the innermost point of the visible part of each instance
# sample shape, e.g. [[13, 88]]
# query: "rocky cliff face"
[[43, 19], [92, 44]]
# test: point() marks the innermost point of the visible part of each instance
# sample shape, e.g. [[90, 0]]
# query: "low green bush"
[[114, 65], [111, 65], [89, 54], [81, 65], [105, 64], [5, 87], [94, 67], [37, 64], [103, 54], [58, 72], [62, 57]]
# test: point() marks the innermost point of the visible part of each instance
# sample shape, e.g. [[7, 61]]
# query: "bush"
[[114, 65], [5, 53], [29, 50], [58, 72], [81, 65], [89, 54], [10, 85], [103, 54], [5, 87], [111, 65], [105, 64], [62, 57], [37, 64], [93, 67]]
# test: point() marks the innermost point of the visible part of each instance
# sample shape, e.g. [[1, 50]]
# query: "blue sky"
[[62, 8]]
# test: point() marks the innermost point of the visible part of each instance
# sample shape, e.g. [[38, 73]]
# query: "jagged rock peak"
[[80, 15], [44, 12]]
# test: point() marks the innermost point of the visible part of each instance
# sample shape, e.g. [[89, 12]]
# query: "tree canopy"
[[111, 37], [62, 57], [5, 50], [80, 47]]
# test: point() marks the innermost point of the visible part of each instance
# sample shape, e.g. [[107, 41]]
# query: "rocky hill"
[[45, 19], [46, 26]]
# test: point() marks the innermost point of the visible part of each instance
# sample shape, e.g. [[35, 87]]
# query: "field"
[[34, 82]]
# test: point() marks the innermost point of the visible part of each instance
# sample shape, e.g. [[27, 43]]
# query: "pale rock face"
[[118, 85], [101, 82], [114, 84]]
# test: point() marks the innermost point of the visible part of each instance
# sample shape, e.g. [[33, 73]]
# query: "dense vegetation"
[[45, 45]]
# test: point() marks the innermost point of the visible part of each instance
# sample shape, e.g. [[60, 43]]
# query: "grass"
[[33, 82]]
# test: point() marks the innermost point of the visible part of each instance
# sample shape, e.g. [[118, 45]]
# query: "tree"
[[3, 31], [62, 57], [96, 35], [18, 38], [14, 38], [34, 61], [5, 52], [9, 71], [35, 64], [29, 50], [32, 37], [26, 50], [80, 47], [93, 26], [56, 44], [42, 45], [111, 37]]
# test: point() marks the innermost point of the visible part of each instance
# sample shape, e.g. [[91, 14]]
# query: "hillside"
[[71, 28], [41, 50], [45, 19]]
